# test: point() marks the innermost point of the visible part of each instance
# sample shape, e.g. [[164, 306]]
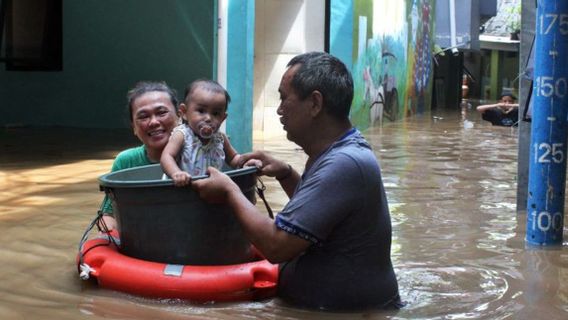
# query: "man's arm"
[[275, 244]]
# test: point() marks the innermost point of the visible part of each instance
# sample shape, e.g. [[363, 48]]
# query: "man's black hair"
[[327, 74]]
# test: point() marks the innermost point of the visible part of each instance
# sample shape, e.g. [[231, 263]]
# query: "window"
[[31, 35]]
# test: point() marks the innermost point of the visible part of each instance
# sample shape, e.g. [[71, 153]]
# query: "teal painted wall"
[[107, 47], [341, 31], [240, 73]]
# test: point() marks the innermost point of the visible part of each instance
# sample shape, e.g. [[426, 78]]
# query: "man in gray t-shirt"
[[333, 238], [340, 206]]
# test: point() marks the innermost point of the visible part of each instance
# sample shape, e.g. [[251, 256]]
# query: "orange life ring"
[[100, 259]]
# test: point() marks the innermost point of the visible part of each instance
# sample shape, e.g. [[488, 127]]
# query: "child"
[[197, 144], [503, 113]]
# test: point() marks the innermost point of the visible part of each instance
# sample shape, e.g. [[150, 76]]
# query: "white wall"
[[283, 29]]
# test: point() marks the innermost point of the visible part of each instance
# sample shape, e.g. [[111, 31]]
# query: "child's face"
[[507, 99], [205, 112]]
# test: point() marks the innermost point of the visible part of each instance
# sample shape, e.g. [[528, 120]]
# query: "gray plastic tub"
[[163, 223]]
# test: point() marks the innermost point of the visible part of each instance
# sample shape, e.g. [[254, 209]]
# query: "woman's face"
[[153, 118]]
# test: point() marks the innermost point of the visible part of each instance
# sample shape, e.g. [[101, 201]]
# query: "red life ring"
[[113, 270]]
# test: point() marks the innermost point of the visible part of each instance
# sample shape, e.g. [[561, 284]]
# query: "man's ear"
[[317, 103]]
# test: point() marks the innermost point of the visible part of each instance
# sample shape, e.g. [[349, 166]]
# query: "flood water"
[[458, 242]]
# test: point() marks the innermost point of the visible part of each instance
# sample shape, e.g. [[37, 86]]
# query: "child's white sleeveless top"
[[195, 157]]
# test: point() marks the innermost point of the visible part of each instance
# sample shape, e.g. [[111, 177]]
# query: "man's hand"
[[216, 188], [266, 164]]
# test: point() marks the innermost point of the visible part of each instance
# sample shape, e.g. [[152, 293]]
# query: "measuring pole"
[[547, 164]]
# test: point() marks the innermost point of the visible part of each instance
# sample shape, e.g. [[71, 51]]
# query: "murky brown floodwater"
[[458, 245]]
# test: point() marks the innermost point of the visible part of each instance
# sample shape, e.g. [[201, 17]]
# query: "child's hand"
[[181, 178]]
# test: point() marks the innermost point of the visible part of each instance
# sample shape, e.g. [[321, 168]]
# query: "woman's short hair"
[[143, 87]]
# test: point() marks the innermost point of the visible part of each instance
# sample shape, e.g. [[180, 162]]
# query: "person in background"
[[197, 143], [503, 113], [152, 108], [333, 238]]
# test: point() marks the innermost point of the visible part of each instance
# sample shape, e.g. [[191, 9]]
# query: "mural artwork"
[[392, 67]]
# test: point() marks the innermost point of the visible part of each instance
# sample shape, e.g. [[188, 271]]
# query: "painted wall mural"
[[392, 59]]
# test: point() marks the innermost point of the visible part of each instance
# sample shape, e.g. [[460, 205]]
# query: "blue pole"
[[547, 164]]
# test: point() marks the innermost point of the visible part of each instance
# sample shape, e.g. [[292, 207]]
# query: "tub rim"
[[106, 182]]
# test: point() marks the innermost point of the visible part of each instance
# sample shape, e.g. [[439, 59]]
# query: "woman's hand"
[[216, 188]]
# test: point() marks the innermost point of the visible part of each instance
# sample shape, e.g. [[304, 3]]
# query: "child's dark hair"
[[143, 87], [507, 94], [209, 85]]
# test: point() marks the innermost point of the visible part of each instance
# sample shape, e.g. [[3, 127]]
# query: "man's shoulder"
[[355, 149], [353, 161]]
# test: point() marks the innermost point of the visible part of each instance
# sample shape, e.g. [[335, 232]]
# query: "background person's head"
[[205, 106], [325, 73], [152, 107], [507, 97]]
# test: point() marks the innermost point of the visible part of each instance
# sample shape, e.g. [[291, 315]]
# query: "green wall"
[[107, 47]]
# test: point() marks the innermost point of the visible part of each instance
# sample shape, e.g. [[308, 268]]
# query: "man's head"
[[315, 97], [319, 71]]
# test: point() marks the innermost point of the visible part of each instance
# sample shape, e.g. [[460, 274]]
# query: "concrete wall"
[[107, 47], [283, 29]]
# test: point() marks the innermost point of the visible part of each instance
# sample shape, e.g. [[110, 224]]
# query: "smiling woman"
[[152, 108]]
